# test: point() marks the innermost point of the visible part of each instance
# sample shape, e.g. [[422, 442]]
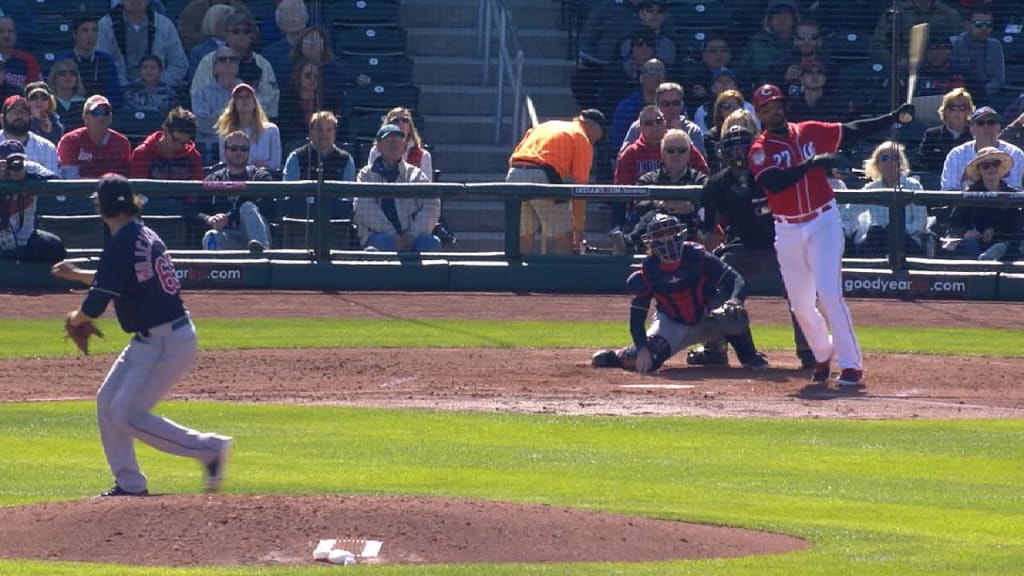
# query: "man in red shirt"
[[644, 155], [790, 163], [169, 153], [94, 149], [20, 66]]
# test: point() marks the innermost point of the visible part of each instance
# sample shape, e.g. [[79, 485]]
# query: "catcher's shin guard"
[[710, 354]]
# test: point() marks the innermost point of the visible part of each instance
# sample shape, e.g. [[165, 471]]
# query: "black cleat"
[[702, 356], [215, 469], [757, 362], [118, 491]]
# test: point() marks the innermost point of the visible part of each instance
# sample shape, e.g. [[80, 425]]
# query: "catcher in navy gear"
[[731, 199], [698, 297]]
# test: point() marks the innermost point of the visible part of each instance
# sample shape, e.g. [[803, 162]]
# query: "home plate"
[[658, 386]]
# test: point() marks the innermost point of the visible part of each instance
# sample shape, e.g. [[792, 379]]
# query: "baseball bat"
[[918, 39]]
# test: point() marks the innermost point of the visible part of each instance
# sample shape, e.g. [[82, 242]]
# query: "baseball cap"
[[983, 112], [11, 149], [780, 5], [113, 191], [94, 102], [13, 101], [241, 87], [595, 116], [718, 73], [387, 130]]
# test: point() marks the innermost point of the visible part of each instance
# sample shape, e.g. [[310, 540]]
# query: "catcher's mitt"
[[731, 317], [80, 334]]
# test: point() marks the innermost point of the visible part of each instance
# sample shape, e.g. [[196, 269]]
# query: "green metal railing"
[[511, 194]]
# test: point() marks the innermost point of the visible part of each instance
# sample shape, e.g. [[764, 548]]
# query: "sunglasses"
[[679, 150], [989, 164], [236, 148], [241, 30], [984, 23], [99, 112], [67, 73], [39, 97], [992, 122], [401, 120], [807, 37], [231, 59], [653, 122], [957, 107], [670, 103], [728, 106]]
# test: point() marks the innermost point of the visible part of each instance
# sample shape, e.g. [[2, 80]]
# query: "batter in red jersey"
[[790, 162]]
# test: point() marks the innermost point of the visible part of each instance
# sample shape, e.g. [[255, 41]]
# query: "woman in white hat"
[[987, 231]]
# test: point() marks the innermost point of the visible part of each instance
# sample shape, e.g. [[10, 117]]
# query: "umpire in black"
[[748, 244]]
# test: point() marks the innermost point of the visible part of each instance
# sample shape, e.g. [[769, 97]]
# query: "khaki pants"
[[552, 218]]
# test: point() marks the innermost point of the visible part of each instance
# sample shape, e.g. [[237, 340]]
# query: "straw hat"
[[986, 154]]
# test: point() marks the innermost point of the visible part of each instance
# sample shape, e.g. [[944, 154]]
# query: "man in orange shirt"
[[555, 152]]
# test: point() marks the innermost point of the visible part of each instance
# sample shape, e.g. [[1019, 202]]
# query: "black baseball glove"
[[731, 317]]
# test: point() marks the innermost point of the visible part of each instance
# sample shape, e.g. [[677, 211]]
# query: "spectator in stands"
[[21, 12], [235, 222], [320, 153], [654, 16], [68, 92], [988, 233], [726, 103], [555, 152], [253, 69], [5, 88], [314, 46], [292, 18], [807, 49], [19, 237], [147, 93], [715, 55], [724, 80], [741, 117], [213, 31], [818, 101], [20, 67], [211, 100], [937, 74], [306, 93], [17, 116], [866, 226], [957, 106], [942, 20], [194, 27], [45, 121], [415, 152], [96, 68], [976, 51], [618, 81], [985, 125], [243, 112], [669, 98], [644, 155], [395, 224], [132, 30], [169, 153], [675, 170], [769, 49], [626, 112], [94, 149]]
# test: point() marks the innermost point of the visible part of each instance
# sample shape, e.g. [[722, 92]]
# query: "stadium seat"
[[136, 126], [369, 40], [384, 69], [363, 12], [867, 83], [75, 230], [64, 206], [68, 10], [848, 45], [701, 15], [54, 37], [296, 227], [1013, 53], [382, 97]]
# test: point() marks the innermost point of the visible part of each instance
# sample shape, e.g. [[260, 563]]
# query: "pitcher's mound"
[[198, 530]]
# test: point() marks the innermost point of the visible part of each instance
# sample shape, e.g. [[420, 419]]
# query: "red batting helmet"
[[765, 94]]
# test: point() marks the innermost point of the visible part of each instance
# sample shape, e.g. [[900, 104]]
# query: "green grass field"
[[876, 498]]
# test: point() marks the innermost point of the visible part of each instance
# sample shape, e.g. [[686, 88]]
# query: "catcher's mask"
[[664, 238], [734, 146]]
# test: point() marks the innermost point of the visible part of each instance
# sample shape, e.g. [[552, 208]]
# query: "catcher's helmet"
[[766, 93], [737, 136], [664, 238]]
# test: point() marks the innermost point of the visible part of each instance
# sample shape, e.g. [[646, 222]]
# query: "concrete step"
[[466, 129], [469, 70], [550, 101], [463, 42], [525, 14], [471, 158]]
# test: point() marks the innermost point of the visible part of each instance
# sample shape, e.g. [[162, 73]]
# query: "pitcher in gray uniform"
[[136, 272]]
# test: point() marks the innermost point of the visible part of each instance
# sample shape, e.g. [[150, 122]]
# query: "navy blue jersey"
[[136, 272]]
